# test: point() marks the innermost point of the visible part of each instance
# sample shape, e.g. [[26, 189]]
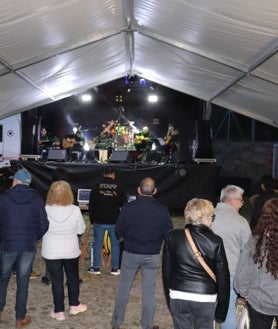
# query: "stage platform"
[[177, 183]]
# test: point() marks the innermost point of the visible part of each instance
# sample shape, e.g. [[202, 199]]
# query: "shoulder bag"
[[198, 255]]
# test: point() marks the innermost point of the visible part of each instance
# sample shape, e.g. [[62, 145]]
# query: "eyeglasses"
[[213, 217], [242, 201]]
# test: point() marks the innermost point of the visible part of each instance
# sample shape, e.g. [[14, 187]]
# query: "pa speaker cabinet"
[[121, 156], [57, 155]]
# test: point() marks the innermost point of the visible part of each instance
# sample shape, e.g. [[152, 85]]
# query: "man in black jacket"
[[143, 224], [23, 221], [105, 202]]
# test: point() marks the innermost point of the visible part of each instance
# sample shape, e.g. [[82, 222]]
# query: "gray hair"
[[229, 192]]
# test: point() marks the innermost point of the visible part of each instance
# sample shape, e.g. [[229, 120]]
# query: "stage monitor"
[[121, 156], [83, 196], [57, 155]]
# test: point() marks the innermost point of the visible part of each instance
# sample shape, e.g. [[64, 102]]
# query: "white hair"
[[230, 192]]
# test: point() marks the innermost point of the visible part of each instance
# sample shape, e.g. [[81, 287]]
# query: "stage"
[[177, 183]]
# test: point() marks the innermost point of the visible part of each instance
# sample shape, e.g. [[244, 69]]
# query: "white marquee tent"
[[221, 51]]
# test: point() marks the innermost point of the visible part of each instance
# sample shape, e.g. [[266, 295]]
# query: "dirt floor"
[[96, 291]]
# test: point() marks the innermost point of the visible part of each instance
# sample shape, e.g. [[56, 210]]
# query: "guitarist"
[[143, 143], [45, 142], [171, 140], [74, 143]]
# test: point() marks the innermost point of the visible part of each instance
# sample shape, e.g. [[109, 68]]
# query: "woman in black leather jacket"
[[194, 299]]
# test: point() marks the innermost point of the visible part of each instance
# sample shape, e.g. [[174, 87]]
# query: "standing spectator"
[[268, 187], [235, 232], [143, 224], [60, 248], [106, 200], [23, 221], [192, 295], [256, 276], [57, 174]]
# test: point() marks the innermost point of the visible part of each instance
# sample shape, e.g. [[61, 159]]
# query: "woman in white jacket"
[[60, 248]]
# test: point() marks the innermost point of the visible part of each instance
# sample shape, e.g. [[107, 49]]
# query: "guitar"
[[107, 129], [139, 139], [68, 142], [51, 142], [167, 139]]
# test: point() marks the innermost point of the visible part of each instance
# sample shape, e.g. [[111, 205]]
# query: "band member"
[[108, 130], [45, 141], [74, 143], [172, 139], [143, 142]]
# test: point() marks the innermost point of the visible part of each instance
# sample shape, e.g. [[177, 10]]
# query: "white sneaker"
[[74, 310], [115, 271], [93, 270], [59, 316]]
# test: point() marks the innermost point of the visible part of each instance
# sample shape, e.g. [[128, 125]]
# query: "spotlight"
[[152, 98], [132, 79], [86, 97], [142, 82], [119, 98]]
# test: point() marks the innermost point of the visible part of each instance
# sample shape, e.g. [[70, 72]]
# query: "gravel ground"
[[96, 291]]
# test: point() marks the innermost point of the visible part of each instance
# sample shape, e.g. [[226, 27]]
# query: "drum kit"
[[123, 138], [115, 136]]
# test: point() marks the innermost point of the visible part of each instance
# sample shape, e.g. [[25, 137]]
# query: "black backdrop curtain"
[[176, 183]]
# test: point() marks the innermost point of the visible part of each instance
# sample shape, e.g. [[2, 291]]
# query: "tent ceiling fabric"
[[224, 52]]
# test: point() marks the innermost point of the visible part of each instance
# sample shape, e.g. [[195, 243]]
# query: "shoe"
[[155, 327], [23, 322], [34, 275], [74, 310], [45, 280], [115, 271], [94, 270], [59, 316]]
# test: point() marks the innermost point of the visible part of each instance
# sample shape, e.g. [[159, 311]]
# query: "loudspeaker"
[[121, 156], [57, 155], [203, 137]]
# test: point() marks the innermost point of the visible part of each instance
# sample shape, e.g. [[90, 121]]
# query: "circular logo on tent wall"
[[10, 133]]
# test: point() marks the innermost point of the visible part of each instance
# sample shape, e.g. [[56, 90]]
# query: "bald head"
[[147, 187]]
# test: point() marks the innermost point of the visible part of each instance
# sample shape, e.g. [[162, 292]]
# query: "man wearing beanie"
[[23, 221]]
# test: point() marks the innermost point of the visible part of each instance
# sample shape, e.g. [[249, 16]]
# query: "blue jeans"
[[56, 273], [230, 322], [149, 265], [22, 263], [99, 230], [188, 314]]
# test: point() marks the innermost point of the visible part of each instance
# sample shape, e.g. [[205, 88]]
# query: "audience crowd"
[[215, 260]]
